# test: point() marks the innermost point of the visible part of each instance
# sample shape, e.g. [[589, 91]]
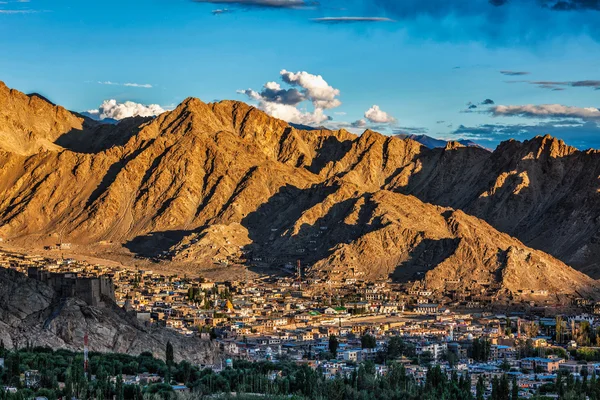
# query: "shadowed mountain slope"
[[208, 183]]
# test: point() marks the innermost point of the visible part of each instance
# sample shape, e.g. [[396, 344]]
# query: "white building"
[[436, 349]]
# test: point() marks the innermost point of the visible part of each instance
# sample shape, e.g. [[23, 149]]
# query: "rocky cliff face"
[[30, 313], [541, 191], [212, 182]]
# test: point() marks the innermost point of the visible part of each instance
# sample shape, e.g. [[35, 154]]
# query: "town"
[[335, 327]]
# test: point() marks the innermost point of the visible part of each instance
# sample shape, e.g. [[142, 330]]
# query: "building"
[[436, 349], [501, 352], [180, 388], [574, 367], [543, 364], [426, 308], [350, 355], [31, 379], [93, 290]]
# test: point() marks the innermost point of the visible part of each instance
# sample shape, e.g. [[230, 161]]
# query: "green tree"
[[480, 388], [515, 390], [161, 389], [119, 388], [559, 329], [368, 341], [480, 349], [500, 388], [584, 333], [426, 358], [395, 348], [333, 345], [68, 384], [169, 360], [451, 357]]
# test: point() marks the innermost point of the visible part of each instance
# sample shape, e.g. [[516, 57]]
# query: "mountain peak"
[[371, 135], [191, 102], [29, 123], [550, 146], [453, 145], [39, 96]]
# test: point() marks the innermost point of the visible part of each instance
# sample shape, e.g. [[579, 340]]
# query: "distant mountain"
[[211, 184], [93, 116], [433, 143]]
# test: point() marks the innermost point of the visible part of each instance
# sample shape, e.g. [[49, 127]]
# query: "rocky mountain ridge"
[[432, 143], [224, 182]]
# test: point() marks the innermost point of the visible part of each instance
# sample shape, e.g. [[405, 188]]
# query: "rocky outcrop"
[[30, 313]]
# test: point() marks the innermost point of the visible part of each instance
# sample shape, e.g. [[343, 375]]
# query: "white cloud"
[[136, 85], [139, 85], [314, 87], [220, 11], [347, 20], [113, 110], [361, 123], [18, 11], [377, 115], [292, 114], [547, 111], [283, 103]]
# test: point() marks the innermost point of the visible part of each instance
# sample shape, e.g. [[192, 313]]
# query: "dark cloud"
[[594, 84], [350, 20], [220, 11], [361, 123], [444, 7], [514, 73], [546, 111], [572, 5], [409, 130], [549, 84], [560, 85], [472, 107], [275, 94], [581, 135], [262, 3], [494, 22]]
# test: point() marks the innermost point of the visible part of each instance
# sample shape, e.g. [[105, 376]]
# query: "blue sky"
[[428, 66]]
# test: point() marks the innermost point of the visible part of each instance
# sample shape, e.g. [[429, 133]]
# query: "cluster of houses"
[[292, 319]]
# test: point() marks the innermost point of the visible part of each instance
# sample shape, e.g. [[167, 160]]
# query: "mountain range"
[[433, 143], [212, 184]]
